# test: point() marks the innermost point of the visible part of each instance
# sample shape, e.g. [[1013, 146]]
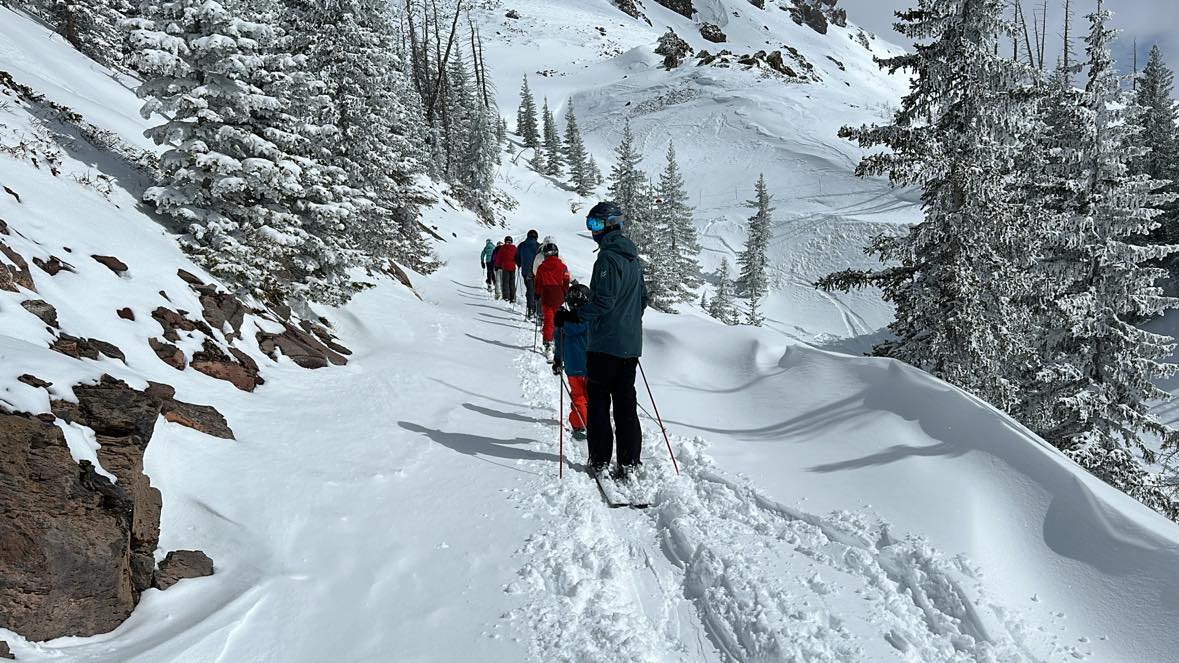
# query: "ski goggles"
[[596, 224]]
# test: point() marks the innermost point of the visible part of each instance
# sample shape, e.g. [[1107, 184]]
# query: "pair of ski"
[[611, 498]]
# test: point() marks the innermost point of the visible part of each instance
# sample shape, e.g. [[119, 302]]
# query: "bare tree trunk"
[[444, 58], [1043, 30], [1027, 39], [483, 68]]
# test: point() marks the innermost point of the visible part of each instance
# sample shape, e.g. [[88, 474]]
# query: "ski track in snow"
[[717, 571]]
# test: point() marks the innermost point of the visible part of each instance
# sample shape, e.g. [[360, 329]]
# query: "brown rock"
[[126, 313], [123, 420], [302, 348], [5, 652], [4, 231], [168, 353], [112, 263], [212, 361], [181, 564], [221, 308], [86, 348], [173, 322], [160, 391], [65, 555], [42, 309], [53, 265], [34, 381], [681, 7], [203, 418], [713, 33], [15, 274], [189, 277]]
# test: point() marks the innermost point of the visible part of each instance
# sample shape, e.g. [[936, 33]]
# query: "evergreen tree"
[[257, 214], [577, 157], [626, 180], [1100, 365], [1160, 138], [723, 306], [371, 114], [678, 232], [595, 173], [753, 282], [656, 257], [92, 26], [526, 122], [956, 276], [553, 148]]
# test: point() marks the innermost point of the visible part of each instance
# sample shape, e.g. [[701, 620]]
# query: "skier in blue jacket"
[[525, 255], [569, 356]]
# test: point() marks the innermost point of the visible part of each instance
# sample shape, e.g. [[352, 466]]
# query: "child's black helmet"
[[579, 295], [549, 249]]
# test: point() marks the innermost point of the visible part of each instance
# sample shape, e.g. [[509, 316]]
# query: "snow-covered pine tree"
[[678, 232], [955, 277], [459, 103], [372, 115], [92, 26], [553, 145], [1160, 138], [753, 281], [655, 255], [626, 180], [230, 179], [477, 173], [526, 121], [724, 306], [595, 173], [576, 156], [1100, 366]]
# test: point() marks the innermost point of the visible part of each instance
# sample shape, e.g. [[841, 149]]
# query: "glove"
[[560, 317], [558, 367]]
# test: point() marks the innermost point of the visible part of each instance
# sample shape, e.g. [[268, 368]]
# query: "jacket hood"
[[616, 242]]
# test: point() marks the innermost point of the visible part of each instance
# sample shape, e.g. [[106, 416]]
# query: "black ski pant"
[[530, 291], [508, 285], [490, 274], [612, 382]]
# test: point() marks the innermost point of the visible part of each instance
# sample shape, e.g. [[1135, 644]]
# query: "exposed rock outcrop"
[[203, 418], [168, 353], [86, 348], [681, 7], [240, 369], [53, 265], [673, 49], [302, 347], [16, 273], [818, 15], [713, 33], [112, 263], [66, 533], [181, 564], [42, 309]]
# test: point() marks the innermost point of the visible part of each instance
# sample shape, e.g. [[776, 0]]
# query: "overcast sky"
[[1150, 21]]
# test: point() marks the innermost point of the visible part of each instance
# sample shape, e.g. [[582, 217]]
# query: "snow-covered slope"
[[729, 125], [406, 507]]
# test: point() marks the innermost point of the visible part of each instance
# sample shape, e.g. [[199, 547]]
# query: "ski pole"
[[561, 426], [658, 418], [575, 410]]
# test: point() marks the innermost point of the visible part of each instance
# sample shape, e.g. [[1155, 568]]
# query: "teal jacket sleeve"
[[603, 290]]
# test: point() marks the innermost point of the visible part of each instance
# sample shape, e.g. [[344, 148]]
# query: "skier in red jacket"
[[505, 261], [552, 284]]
